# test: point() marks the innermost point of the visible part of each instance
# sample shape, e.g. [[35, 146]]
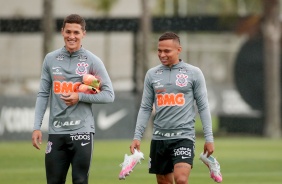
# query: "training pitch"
[[244, 160]]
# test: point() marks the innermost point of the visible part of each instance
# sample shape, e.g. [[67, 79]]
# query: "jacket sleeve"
[[201, 97], [145, 110], [42, 96]]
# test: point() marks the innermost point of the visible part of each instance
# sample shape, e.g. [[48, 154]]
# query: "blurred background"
[[236, 43]]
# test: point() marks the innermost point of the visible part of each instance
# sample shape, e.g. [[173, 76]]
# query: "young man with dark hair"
[[71, 121], [172, 88]]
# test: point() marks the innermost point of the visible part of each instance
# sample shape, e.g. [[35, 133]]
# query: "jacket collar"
[[76, 53], [178, 65]]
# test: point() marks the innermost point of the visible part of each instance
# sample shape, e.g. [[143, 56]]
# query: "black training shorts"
[[164, 154]]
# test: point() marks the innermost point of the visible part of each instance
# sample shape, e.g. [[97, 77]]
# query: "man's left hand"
[[209, 148]]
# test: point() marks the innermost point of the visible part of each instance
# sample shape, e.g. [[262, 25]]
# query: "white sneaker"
[[213, 166], [129, 163]]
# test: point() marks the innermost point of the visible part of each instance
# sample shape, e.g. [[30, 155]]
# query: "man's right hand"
[[36, 138], [135, 145]]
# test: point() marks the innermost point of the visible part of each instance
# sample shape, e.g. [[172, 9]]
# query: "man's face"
[[73, 35], [168, 52]]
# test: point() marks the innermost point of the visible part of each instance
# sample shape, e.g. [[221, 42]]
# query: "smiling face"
[[73, 35], [168, 52]]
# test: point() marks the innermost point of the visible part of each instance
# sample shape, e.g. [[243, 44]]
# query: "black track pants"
[[64, 150]]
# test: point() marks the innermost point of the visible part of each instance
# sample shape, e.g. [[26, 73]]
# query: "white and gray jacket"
[[173, 93], [61, 73]]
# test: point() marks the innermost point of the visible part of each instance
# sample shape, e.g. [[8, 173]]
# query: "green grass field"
[[245, 160]]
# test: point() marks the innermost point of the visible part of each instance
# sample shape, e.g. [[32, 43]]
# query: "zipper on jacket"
[[169, 79]]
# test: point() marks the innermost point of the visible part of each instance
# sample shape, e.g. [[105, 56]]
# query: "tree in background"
[[48, 26], [145, 34], [271, 30], [144, 59]]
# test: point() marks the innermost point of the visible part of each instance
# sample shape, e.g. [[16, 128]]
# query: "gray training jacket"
[[173, 93], [61, 73]]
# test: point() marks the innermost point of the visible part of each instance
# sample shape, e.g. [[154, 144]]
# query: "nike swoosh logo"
[[105, 122], [84, 144], [184, 157]]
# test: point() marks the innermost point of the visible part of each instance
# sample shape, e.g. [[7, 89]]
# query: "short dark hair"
[[75, 19], [169, 36]]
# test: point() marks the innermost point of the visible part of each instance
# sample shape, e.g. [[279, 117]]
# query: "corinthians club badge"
[[81, 68], [181, 80]]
